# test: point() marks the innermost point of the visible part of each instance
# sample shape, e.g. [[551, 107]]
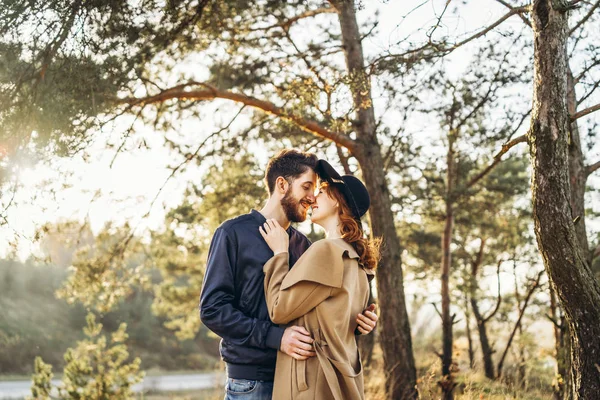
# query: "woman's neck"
[[332, 228]]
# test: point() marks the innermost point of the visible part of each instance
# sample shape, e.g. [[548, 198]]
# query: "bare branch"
[[497, 159], [343, 160], [437, 50], [513, 11], [585, 18], [586, 69], [590, 169], [589, 92], [530, 292], [437, 310], [286, 24], [523, 17], [184, 92], [585, 112], [499, 301], [554, 322]]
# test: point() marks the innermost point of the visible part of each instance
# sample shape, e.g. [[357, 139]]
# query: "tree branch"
[[286, 24], [524, 18], [437, 310], [592, 168], [499, 301], [530, 292], [55, 45], [437, 50], [184, 92], [497, 159], [513, 11], [554, 322], [585, 112], [585, 18]]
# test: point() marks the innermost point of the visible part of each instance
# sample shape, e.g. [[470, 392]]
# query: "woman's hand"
[[275, 236]]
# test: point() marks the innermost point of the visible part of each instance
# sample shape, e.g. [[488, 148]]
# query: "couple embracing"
[[288, 311]]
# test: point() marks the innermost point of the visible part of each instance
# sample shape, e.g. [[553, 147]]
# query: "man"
[[232, 303]]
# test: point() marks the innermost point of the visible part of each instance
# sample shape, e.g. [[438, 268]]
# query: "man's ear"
[[281, 185]]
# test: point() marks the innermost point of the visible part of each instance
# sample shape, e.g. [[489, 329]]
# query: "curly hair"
[[352, 232]]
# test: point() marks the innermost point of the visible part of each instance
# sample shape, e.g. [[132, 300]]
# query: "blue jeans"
[[244, 389]]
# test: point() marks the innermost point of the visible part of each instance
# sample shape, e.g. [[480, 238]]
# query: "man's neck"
[[273, 210]]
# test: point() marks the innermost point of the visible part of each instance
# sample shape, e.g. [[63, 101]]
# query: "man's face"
[[299, 196]]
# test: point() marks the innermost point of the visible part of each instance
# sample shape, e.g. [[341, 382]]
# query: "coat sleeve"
[[218, 310], [291, 294]]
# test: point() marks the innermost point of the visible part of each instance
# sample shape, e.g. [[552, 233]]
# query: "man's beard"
[[291, 208]]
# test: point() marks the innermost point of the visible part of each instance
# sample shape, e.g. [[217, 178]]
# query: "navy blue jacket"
[[232, 303]]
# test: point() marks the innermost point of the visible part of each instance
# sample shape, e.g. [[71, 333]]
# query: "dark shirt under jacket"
[[232, 302]]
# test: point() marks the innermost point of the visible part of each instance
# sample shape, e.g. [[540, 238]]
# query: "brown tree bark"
[[561, 371], [394, 326], [468, 332], [521, 369], [486, 349], [447, 382], [577, 172], [564, 260]]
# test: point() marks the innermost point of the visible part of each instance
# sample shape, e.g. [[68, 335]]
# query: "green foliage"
[[96, 369], [42, 380], [105, 272], [26, 331], [180, 251]]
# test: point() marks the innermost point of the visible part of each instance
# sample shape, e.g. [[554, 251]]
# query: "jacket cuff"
[[274, 336]]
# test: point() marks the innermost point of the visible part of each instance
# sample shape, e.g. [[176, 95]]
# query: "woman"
[[323, 292]]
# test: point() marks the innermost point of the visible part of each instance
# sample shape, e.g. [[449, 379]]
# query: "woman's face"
[[324, 206]]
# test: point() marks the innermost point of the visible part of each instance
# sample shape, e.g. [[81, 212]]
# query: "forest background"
[[131, 130]]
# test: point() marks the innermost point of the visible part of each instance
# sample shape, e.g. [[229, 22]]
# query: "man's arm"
[[217, 309]]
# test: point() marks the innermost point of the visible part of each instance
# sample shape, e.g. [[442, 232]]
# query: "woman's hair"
[[351, 229]]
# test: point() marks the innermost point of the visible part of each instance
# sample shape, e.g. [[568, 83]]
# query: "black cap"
[[352, 188]]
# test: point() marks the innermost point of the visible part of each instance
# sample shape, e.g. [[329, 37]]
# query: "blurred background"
[[130, 130]]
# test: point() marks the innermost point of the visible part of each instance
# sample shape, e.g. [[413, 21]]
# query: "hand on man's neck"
[[273, 210]]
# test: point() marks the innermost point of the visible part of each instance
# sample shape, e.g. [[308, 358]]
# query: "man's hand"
[[367, 320], [296, 342]]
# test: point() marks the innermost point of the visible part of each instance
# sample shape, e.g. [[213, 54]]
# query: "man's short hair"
[[289, 164]]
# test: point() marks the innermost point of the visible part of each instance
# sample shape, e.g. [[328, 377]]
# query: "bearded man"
[[232, 302]]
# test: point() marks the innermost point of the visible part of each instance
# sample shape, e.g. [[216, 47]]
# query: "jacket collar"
[[261, 219], [351, 253]]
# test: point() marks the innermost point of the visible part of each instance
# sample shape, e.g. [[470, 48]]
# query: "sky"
[[87, 186]]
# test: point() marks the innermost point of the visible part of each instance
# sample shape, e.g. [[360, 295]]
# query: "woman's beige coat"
[[323, 292]]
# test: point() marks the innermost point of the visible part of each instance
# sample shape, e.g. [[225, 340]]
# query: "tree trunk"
[[577, 173], [447, 382], [469, 336], [561, 372], [394, 326], [521, 366], [486, 348], [564, 260]]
